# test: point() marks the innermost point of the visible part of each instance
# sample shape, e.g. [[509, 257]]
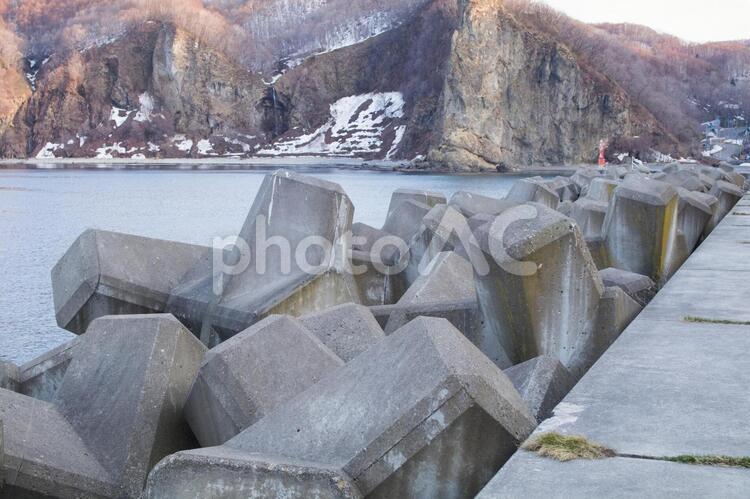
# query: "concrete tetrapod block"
[[728, 195], [365, 237], [471, 205], [41, 377], [686, 180], [9, 376], [423, 414], [293, 212], [447, 282], [378, 282], [639, 287], [598, 250], [533, 190], [641, 228], [447, 291], [696, 209], [542, 382], [348, 330], [106, 273], [117, 412], [444, 228], [601, 189], [400, 196], [615, 312], [541, 294], [590, 214], [406, 210], [564, 187], [249, 375], [582, 178]]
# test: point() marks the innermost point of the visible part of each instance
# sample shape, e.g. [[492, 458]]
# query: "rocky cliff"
[[461, 83]]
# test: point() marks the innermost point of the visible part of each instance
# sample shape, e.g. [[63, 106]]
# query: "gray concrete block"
[[448, 280], [117, 412], [548, 305], [695, 211], [589, 214], [406, 219], [251, 374], [443, 229], [348, 330], [542, 382], [424, 413], [41, 377], [533, 190], [582, 178], [639, 287], [601, 189], [566, 208], [290, 208], [106, 273], [400, 196], [641, 228], [565, 188], [685, 179], [615, 312], [448, 277], [598, 250], [9, 376], [378, 283], [470, 204], [728, 195], [364, 237]]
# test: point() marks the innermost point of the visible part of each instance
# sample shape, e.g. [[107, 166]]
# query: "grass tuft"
[[567, 447], [726, 461], [704, 320]]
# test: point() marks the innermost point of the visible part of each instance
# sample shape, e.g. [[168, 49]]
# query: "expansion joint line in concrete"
[[711, 460]]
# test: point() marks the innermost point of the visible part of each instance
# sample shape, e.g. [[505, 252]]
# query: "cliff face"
[[460, 82], [155, 92], [513, 96], [481, 90]]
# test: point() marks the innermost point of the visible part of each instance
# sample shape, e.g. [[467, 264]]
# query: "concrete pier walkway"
[[677, 382]]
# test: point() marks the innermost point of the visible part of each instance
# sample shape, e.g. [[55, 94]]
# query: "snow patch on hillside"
[[48, 151], [204, 147], [108, 152], [182, 143], [118, 115], [357, 125], [147, 107]]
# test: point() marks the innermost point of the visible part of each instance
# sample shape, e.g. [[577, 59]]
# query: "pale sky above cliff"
[[692, 20]]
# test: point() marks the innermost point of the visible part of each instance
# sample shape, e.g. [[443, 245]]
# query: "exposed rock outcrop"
[[459, 82]]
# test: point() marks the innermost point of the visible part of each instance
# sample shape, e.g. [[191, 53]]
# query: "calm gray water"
[[42, 213]]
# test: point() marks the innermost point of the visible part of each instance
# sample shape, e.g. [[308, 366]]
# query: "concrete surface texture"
[[551, 309], [251, 374], [117, 412], [106, 273], [276, 282], [423, 413]]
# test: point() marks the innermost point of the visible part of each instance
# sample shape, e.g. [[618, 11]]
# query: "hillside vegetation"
[[510, 80]]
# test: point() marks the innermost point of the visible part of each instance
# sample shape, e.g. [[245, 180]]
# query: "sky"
[[692, 20]]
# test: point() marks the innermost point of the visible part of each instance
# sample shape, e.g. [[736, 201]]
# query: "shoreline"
[[250, 164]]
